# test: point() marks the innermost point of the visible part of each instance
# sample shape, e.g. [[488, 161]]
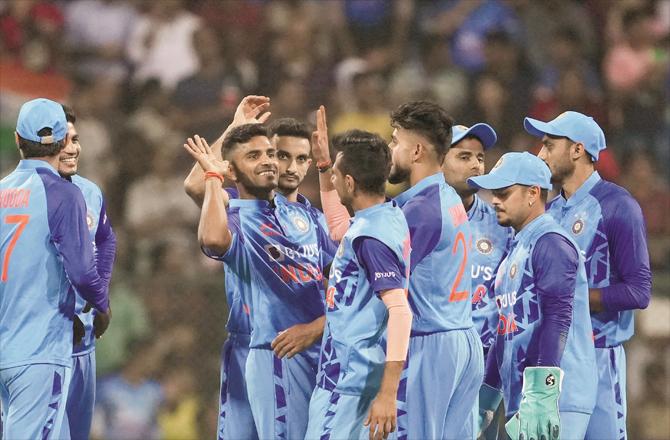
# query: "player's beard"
[[288, 185], [562, 172], [398, 174], [260, 191]]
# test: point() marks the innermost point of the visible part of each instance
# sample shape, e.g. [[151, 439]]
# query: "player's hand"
[[320, 151], [382, 417], [101, 322], [78, 330], [295, 339], [252, 109], [200, 150]]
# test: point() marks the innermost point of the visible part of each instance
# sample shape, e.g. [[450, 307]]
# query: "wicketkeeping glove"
[[538, 418]]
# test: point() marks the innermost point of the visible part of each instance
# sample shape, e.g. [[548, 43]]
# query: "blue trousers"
[[335, 416], [609, 416]]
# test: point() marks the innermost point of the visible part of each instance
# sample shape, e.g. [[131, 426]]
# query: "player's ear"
[[232, 171], [577, 150], [350, 184]]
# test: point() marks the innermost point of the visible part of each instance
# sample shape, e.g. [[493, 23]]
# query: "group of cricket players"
[[432, 315]]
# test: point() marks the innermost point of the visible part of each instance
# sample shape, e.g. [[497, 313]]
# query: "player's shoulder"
[[84, 183], [615, 200]]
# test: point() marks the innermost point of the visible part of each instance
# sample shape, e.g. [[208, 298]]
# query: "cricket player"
[[278, 253], [543, 360], [608, 226], [81, 397], [490, 240], [355, 397], [46, 250]]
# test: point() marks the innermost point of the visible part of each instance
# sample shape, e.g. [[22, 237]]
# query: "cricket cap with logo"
[[573, 125], [38, 114], [484, 132], [515, 169]]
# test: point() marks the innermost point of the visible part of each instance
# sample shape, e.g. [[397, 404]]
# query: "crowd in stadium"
[[143, 75]]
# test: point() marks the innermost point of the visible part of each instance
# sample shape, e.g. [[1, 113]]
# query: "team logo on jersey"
[[300, 223], [578, 227], [340, 250], [90, 222], [512, 271], [484, 246]]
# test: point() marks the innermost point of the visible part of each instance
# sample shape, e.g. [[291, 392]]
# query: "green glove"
[[489, 400], [537, 418]]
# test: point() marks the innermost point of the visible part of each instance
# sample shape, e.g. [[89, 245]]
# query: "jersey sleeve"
[[555, 264], [105, 242], [234, 255], [381, 264], [424, 229], [67, 222], [627, 239]]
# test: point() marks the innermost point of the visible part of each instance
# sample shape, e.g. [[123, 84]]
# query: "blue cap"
[[515, 169], [484, 132], [573, 125], [38, 114]]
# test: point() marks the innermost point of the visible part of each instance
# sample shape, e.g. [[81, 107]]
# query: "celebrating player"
[[607, 224], [543, 358], [45, 250], [278, 253], [81, 395], [367, 285]]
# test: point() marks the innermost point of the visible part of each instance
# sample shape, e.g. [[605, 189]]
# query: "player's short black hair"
[[290, 127], [36, 149], [429, 120], [633, 16], [240, 135], [69, 114], [366, 157]]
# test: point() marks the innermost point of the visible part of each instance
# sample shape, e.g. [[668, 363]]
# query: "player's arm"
[[336, 213], [105, 242], [67, 222], [213, 232], [252, 109], [555, 264], [384, 272], [627, 239], [297, 338]]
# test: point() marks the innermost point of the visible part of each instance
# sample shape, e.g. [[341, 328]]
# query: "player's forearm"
[[105, 254], [317, 326], [627, 295], [391, 379], [337, 216], [213, 232], [194, 184]]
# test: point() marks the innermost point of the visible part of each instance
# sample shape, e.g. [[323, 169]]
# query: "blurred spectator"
[[161, 43], [96, 33], [178, 417]]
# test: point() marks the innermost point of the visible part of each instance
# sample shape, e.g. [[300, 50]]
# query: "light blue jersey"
[[490, 243], [518, 342], [608, 226], [352, 355]]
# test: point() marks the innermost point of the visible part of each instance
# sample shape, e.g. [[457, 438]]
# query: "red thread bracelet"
[[213, 174]]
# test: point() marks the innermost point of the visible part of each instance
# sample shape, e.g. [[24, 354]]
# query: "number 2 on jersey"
[[459, 295], [22, 221]]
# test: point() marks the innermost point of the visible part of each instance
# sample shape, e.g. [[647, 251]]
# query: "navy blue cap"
[[484, 133], [573, 125], [515, 169], [38, 114]]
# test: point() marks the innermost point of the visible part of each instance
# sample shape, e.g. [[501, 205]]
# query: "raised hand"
[[200, 150], [252, 109], [320, 151]]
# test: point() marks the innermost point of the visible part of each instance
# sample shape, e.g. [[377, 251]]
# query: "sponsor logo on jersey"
[[512, 271], [340, 250], [90, 221], [484, 246], [274, 252], [578, 227]]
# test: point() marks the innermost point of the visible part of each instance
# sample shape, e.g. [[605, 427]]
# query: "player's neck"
[[291, 196], [532, 216], [468, 201], [421, 171], [51, 160], [576, 180], [364, 201], [256, 193]]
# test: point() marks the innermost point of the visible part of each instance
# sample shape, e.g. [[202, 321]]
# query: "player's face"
[[340, 182], [294, 161], [68, 158], [255, 165], [464, 160], [555, 153], [511, 205], [402, 144]]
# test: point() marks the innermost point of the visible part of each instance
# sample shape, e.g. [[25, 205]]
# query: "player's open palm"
[[320, 151], [382, 417], [200, 150], [252, 109]]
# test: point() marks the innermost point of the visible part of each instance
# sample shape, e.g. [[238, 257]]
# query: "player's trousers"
[[236, 421], [279, 391], [335, 416], [81, 397], [440, 385], [33, 400], [609, 416]]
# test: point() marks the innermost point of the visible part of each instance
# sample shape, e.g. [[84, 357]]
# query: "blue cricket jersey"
[[45, 249], [521, 341], [352, 352], [607, 224], [440, 287], [490, 243], [104, 245], [277, 255]]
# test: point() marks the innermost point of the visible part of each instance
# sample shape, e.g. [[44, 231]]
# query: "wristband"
[[324, 166], [213, 174]]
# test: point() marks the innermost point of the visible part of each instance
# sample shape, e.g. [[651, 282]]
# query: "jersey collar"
[[583, 190], [531, 227], [31, 164], [434, 179]]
